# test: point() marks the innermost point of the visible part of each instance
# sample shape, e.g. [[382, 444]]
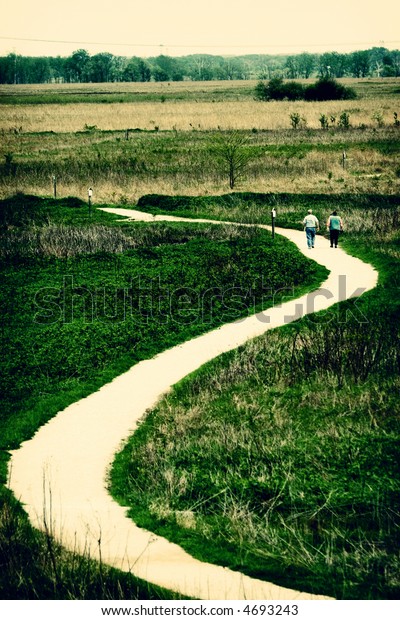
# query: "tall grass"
[[285, 457], [248, 419], [187, 116], [242, 89], [373, 215], [281, 464], [34, 566], [81, 303], [63, 240], [171, 162], [181, 106]]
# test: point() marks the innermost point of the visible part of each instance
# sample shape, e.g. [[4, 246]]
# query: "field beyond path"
[[60, 475]]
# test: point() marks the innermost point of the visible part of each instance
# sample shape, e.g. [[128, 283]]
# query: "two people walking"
[[334, 225]]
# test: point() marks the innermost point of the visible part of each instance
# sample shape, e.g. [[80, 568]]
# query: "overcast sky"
[[180, 27]]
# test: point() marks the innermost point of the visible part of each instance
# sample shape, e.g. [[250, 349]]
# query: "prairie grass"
[[34, 566], [188, 116], [172, 162], [168, 149], [283, 469], [369, 215], [63, 241], [284, 457], [49, 363], [231, 477]]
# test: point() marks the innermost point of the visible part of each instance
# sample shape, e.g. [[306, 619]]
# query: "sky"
[[179, 27]]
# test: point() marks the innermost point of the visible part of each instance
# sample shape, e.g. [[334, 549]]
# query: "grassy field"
[[168, 147], [285, 454], [238, 90], [83, 299], [315, 509]]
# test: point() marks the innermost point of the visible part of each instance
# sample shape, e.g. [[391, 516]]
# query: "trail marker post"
[[90, 194], [273, 216]]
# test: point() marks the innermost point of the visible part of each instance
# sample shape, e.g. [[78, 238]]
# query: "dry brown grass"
[[188, 115], [184, 106], [186, 166], [302, 180]]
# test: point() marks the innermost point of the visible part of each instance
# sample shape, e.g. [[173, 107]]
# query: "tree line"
[[80, 67]]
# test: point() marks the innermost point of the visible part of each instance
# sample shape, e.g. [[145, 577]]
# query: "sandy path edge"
[[60, 474]]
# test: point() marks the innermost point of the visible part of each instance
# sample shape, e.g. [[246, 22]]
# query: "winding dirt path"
[[60, 474]]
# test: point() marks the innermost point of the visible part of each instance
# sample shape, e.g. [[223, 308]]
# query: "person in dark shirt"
[[334, 225]]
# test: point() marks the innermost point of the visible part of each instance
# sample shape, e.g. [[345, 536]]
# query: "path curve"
[[60, 474]]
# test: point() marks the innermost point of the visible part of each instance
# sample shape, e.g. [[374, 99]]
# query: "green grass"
[[131, 93], [69, 316], [342, 536], [105, 157], [285, 457], [237, 90], [33, 566], [21, 210], [247, 474], [370, 214], [83, 299]]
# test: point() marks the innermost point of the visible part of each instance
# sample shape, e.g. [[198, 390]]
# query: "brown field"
[[187, 116], [185, 106], [83, 143]]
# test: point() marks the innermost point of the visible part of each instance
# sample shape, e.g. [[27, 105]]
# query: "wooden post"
[[55, 186], [273, 216], [344, 157], [90, 194], [126, 134]]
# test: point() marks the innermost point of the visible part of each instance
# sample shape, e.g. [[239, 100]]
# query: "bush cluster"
[[325, 89]]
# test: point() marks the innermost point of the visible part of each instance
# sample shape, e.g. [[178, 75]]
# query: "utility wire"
[[281, 45]]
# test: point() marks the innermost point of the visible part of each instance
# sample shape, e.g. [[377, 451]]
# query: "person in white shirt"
[[311, 226]]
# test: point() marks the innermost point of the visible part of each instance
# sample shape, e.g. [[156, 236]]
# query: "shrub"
[[344, 120], [293, 91], [378, 118], [323, 119], [325, 89], [232, 154], [328, 89], [297, 121], [276, 89], [260, 90]]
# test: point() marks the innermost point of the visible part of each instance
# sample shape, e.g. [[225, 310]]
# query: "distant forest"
[[105, 67]]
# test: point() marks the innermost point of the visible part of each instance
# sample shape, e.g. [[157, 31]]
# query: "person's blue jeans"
[[310, 234]]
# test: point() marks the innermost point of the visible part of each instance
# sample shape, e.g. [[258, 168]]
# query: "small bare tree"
[[232, 153]]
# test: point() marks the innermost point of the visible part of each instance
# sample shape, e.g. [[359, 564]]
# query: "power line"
[[180, 45], [79, 42]]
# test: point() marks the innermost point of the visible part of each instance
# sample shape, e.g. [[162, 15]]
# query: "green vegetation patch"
[[284, 462], [84, 298], [34, 567], [324, 89], [290, 208], [188, 159], [22, 210], [80, 303], [284, 459]]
